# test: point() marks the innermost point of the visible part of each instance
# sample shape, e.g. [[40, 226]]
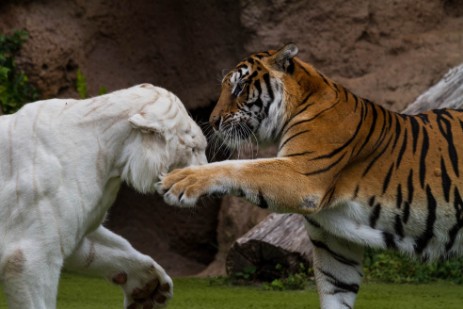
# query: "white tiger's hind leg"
[[103, 253], [337, 267], [30, 277]]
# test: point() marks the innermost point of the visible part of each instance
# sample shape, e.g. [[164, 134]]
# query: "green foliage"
[[15, 89], [380, 266], [81, 85], [219, 281], [290, 281], [248, 275], [387, 266], [102, 90], [285, 279]]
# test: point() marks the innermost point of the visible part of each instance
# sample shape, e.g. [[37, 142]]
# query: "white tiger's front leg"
[[103, 253], [337, 266], [30, 274]]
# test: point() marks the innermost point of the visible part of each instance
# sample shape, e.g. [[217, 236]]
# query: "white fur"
[[62, 163], [276, 115]]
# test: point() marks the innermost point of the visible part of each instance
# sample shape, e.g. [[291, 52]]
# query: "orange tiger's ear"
[[283, 55]]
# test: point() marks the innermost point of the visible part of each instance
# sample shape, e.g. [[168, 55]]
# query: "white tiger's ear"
[[145, 125], [283, 56]]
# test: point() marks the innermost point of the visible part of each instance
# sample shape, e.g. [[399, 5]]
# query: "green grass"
[[78, 292], [94, 293]]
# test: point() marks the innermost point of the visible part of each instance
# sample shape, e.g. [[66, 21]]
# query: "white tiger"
[[62, 163]]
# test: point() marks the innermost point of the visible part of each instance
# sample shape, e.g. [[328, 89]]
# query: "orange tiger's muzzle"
[[225, 105]]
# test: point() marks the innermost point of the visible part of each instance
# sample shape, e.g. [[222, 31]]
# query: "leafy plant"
[[81, 85], [248, 274], [292, 281], [102, 90], [387, 266], [15, 89]]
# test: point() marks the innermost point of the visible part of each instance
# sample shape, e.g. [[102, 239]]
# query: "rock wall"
[[175, 44], [183, 46], [388, 51]]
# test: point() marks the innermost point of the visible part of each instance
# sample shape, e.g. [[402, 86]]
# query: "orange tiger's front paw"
[[184, 187]]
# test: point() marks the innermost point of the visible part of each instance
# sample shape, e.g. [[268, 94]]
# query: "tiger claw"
[[159, 188], [179, 200]]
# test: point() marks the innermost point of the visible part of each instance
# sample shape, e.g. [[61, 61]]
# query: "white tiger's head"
[[164, 137]]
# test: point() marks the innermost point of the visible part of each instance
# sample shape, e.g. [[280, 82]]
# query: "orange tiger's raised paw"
[[183, 187]]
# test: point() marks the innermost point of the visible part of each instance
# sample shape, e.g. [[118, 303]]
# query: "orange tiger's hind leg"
[[337, 267]]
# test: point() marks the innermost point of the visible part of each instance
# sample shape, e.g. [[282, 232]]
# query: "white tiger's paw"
[[149, 288]]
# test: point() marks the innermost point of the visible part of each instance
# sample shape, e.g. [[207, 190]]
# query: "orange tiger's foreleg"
[[270, 183]]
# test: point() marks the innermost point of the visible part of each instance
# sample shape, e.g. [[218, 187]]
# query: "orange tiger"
[[362, 176]]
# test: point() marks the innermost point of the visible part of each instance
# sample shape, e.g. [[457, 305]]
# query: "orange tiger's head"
[[258, 94], [252, 97]]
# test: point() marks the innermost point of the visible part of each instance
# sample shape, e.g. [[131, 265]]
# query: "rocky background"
[[388, 51]]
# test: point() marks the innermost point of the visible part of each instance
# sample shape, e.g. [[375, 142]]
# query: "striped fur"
[[361, 175]]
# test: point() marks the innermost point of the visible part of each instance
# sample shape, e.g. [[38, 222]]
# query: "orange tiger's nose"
[[214, 120]]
